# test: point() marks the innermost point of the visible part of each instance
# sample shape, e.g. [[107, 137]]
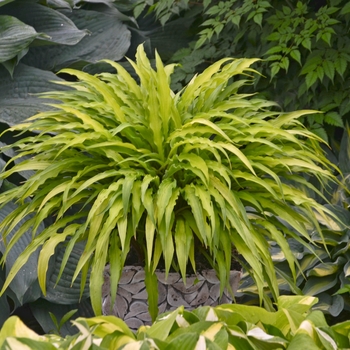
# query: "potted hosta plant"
[[121, 163]]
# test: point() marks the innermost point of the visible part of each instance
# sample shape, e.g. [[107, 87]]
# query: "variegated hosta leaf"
[[292, 326], [205, 169]]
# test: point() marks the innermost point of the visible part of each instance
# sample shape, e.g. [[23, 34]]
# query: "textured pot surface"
[[131, 301]]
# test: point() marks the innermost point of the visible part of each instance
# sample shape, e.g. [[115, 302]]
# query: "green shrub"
[[305, 46], [120, 163], [291, 327]]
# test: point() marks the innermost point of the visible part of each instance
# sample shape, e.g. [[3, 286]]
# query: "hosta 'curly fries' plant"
[[205, 169]]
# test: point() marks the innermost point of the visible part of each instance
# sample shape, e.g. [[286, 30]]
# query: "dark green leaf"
[[345, 9], [347, 269], [274, 70], [337, 305], [55, 25], [15, 36], [60, 4], [65, 291], [329, 70], [307, 43], [17, 95], [340, 65], [258, 18], [320, 73], [24, 283], [310, 78], [109, 39], [295, 54], [333, 118], [326, 37]]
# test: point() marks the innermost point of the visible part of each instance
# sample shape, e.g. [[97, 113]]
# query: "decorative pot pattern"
[[131, 301]]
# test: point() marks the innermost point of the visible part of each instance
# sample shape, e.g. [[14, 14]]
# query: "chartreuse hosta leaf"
[[206, 169]]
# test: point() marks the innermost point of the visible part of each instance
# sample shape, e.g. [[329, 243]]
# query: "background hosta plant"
[[121, 163], [223, 327], [38, 38]]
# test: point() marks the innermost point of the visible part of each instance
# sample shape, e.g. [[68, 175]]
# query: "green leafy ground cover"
[[293, 326]]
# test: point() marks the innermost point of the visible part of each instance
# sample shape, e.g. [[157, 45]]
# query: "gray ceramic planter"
[[131, 302]]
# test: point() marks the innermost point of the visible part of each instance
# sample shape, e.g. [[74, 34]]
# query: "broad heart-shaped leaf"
[[56, 26], [64, 291], [14, 36], [109, 39], [41, 309], [17, 95], [24, 284]]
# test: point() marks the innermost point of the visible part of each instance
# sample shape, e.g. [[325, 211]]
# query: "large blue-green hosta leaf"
[[109, 38], [57, 27], [65, 292], [25, 283], [15, 36], [17, 95], [60, 4]]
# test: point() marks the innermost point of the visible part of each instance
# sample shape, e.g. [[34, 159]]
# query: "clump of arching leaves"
[[205, 169]]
